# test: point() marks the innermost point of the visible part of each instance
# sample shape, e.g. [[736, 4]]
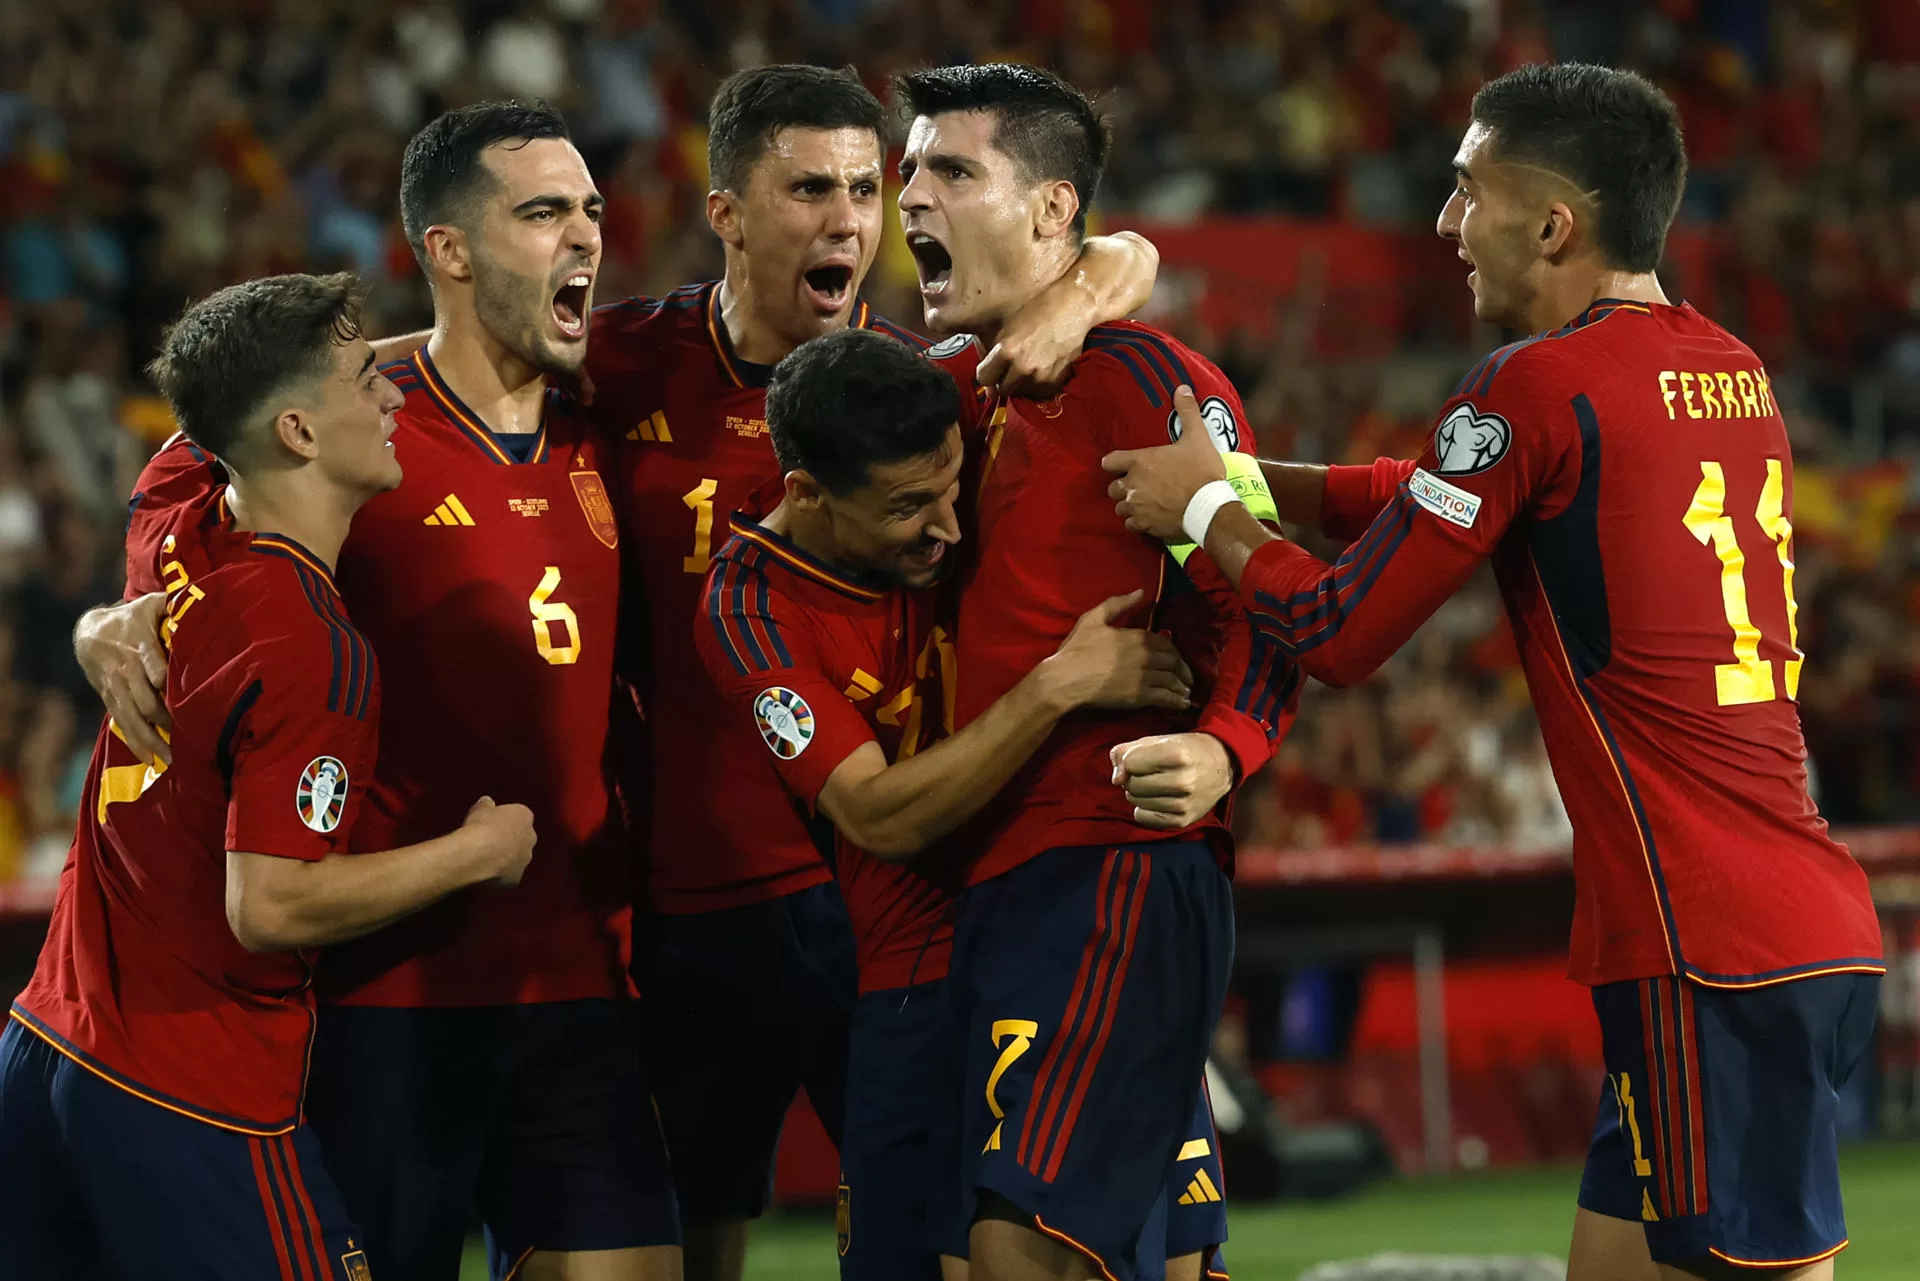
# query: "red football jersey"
[[490, 589], [688, 418], [275, 698], [817, 662], [1630, 477], [1044, 548]]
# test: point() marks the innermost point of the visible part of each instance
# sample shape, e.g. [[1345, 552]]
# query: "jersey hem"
[[383, 994], [1722, 1255], [1098, 834], [1632, 973], [1851, 965], [146, 1094], [691, 901]]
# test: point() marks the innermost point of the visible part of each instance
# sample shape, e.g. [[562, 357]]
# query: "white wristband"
[[1203, 506]]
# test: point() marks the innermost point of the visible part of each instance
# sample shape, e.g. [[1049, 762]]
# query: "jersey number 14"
[[1748, 678]]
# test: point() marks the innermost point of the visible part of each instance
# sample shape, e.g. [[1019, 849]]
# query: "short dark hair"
[[229, 353], [442, 177], [852, 400], [1051, 129], [1609, 132], [751, 106]]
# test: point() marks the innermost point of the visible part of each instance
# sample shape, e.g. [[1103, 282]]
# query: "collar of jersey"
[[281, 545], [861, 587], [469, 423], [1601, 308], [274, 544], [744, 373]]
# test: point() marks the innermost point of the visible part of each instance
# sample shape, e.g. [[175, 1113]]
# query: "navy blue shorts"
[[743, 1008], [900, 1037], [1085, 986], [96, 1182], [1717, 1122], [538, 1114]]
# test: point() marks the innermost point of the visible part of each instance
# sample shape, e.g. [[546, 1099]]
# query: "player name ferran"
[[1717, 393]]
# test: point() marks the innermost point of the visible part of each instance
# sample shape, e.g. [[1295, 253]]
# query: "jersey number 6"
[[1748, 678], [547, 612]]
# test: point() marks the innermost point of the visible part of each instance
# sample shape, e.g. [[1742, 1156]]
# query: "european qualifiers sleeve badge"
[[1218, 416], [785, 721], [1469, 441], [322, 796]]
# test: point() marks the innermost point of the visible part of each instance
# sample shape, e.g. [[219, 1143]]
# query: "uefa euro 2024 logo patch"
[[785, 720], [322, 796], [1470, 440]]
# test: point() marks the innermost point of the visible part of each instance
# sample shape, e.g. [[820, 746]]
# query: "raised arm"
[[120, 650], [1341, 621], [400, 346], [894, 811], [1112, 279]]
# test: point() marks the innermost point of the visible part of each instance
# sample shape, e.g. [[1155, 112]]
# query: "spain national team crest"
[[596, 506], [843, 1218], [355, 1264], [322, 796], [786, 722]]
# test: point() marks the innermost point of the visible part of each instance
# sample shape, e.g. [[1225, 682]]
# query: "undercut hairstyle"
[[1611, 133], [853, 400], [751, 107], [444, 180], [226, 360], [1052, 131]]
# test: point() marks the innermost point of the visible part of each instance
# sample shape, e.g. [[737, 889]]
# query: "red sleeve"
[[179, 472], [1493, 458], [770, 669], [300, 761], [1355, 495], [1253, 688]]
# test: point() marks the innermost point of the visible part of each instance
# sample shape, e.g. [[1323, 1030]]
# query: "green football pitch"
[[1506, 1212]]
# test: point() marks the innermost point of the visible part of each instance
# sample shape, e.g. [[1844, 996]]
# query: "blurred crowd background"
[[152, 151]]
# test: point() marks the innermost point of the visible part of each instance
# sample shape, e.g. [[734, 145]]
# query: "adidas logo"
[[653, 427], [1201, 1191], [863, 686], [451, 511]]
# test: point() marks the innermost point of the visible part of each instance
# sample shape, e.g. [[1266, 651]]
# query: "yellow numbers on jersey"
[[1012, 1037], [122, 783], [700, 500], [1623, 1091], [936, 661], [181, 593], [1748, 678], [547, 612]]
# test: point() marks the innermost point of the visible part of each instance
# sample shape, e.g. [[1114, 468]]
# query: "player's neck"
[[1558, 306], [754, 339], [1051, 260], [810, 534], [296, 504], [506, 392]]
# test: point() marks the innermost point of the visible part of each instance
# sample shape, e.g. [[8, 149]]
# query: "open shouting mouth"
[[933, 261], [570, 304], [829, 284]]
